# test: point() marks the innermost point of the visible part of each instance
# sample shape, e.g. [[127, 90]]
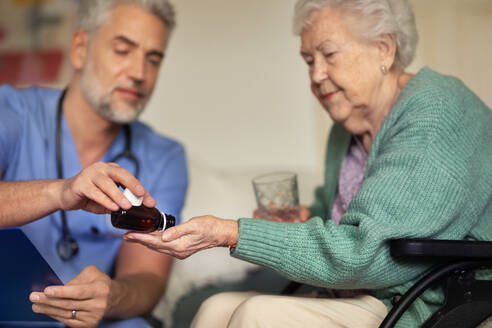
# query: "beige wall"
[[235, 91], [234, 88], [456, 39]]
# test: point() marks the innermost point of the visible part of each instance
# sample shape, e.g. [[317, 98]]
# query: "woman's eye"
[[330, 55]]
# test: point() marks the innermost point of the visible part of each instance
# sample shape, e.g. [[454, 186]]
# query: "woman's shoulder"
[[430, 89], [434, 98], [438, 116]]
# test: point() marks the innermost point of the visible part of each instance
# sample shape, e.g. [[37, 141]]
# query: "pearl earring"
[[384, 69]]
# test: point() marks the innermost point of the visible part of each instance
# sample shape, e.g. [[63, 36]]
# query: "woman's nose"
[[319, 72]]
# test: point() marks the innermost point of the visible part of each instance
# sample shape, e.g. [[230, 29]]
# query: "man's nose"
[[136, 71]]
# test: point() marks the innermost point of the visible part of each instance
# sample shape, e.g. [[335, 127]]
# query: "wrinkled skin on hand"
[[196, 234], [199, 233], [88, 294]]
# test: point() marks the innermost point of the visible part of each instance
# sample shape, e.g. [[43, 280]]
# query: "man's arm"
[[141, 277], [94, 189], [24, 202]]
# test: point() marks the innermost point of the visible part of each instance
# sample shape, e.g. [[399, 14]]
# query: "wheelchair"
[[468, 301]]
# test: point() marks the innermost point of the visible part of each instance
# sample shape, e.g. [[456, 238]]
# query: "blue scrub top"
[[28, 152]]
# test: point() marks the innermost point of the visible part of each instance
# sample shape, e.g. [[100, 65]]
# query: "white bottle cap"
[[136, 201]]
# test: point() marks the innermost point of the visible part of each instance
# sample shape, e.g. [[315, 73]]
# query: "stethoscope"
[[67, 247]]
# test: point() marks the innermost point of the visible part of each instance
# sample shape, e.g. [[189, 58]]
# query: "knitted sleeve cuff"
[[262, 242]]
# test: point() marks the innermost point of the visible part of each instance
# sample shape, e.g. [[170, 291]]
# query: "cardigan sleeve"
[[407, 192]]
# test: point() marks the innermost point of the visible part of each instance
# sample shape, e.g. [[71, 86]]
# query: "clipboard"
[[22, 271]]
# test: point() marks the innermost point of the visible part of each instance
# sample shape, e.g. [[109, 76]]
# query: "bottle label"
[[164, 219]]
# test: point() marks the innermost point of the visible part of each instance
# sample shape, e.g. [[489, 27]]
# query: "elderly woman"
[[408, 156]]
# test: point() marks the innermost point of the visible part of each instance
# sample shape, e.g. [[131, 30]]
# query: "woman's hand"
[[302, 215], [196, 234], [95, 189], [87, 294]]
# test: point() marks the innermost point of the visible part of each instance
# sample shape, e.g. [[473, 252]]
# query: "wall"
[[455, 38], [234, 88]]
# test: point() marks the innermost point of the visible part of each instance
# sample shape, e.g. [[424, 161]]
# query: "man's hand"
[[196, 234], [87, 294], [95, 189]]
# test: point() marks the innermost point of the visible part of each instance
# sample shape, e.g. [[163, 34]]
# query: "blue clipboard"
[[22, 271]]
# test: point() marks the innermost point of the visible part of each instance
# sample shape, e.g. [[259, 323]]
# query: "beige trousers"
[[248, 310]]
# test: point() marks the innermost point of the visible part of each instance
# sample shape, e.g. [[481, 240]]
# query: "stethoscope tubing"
[[67, 246]]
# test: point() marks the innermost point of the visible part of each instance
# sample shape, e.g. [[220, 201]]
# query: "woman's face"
[[344, 70]]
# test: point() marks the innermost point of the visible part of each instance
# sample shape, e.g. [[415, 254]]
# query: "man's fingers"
[[110, 195], [100, 197], [75, 292], [52, 311], [124, 177], [59, 303], [96, 208], [149, 201]]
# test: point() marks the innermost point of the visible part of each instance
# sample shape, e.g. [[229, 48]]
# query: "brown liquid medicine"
[[141, 218]]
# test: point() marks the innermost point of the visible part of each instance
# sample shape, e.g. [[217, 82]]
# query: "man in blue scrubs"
[[116, 54]]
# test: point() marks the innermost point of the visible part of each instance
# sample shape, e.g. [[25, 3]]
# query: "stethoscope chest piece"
[[67, 248]]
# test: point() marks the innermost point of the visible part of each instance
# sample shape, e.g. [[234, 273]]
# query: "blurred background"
[[234, 90]]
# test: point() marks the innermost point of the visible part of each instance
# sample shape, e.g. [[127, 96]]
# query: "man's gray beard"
[[100, 100]]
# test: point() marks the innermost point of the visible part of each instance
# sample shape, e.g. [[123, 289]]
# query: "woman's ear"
[[387, 50], [79, 49]]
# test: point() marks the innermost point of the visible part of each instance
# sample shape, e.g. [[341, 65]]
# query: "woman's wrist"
[[232, 235]]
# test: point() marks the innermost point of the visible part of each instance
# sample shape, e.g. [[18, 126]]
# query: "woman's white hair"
[[375, 18], [93, 13]]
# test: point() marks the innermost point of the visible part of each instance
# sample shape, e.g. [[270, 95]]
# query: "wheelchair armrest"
[[467, 300], [441, 248]]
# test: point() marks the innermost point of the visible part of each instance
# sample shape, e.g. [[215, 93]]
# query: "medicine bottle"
[[141, 218]]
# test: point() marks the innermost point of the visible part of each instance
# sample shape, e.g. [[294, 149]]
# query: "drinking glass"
[[277, 196]]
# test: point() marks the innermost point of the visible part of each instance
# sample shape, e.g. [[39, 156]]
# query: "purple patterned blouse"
[[350, 180]]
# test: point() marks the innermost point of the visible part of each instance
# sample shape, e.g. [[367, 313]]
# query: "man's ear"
[[79, 49], [387, 50]]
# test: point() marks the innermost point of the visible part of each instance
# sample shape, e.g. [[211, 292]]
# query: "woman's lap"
[[244, 310]]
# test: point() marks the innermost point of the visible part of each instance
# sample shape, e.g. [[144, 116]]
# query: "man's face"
[[123, 62]]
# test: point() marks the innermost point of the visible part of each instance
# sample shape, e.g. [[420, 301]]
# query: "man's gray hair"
[[93, 13], [375, 18]]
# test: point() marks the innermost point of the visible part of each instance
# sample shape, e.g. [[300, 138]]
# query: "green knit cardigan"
[[429, 175]]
